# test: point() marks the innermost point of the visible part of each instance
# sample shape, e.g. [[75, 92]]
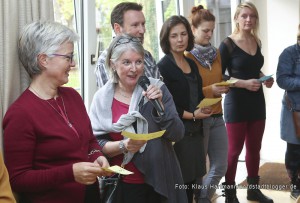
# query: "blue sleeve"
[[288, 70]]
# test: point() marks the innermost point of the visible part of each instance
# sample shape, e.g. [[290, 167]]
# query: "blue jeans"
[[216, 147]]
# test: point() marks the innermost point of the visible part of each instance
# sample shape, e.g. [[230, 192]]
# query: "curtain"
[[14, 14]]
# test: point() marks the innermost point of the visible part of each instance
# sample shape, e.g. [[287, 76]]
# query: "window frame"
[[86, 25], [87, 47]]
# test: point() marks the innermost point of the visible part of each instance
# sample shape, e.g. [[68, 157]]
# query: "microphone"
[[144, 83]]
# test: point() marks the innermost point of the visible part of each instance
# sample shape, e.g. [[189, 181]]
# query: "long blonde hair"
[[252, 7]]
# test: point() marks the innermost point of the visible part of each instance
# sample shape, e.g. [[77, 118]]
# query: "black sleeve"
[[104, 139], [226, 49], [171, 80]]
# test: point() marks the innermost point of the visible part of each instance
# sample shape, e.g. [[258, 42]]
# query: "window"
[[222, 11], [152, 11], [64, 13], [91, 20]]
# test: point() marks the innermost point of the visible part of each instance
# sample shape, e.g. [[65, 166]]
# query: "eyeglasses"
[[69, 57], [127, 40]]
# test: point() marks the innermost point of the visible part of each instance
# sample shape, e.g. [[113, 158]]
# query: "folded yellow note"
[[226, 83], [208, 102], [117, 169], [148, 136]]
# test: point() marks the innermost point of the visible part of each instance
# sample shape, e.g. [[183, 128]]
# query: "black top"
[[193, 84], [177, 83], [241, 104], [186, 90]]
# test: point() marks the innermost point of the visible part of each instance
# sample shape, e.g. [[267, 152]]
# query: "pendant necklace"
[[63, 114]]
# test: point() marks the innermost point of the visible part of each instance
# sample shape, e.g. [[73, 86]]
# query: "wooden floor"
[[277, 195]]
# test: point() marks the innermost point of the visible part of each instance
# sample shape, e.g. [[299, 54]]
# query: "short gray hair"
[[42, 37], [117, 47]]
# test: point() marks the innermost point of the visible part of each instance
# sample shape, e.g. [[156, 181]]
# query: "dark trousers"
[[190, 191], [292, 162], [137, 193], [92, 193]]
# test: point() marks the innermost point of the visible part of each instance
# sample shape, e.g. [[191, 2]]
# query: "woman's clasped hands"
[[86, 172], [133, 145], [218, 90], [269, 83], [252, 85], [203, 112]]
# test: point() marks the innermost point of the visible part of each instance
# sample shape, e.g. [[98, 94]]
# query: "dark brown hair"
[[117, 14], [165, 32], [199, 14]]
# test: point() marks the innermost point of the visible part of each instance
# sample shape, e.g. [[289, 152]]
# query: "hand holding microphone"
[[153, 93]]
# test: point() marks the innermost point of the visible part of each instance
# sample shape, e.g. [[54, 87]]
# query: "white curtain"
[[14, 14]]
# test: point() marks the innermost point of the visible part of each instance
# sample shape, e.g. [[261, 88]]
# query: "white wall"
[[89, 36], [278, 29]]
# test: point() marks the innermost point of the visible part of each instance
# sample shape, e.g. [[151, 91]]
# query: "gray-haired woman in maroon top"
[[50, 151]]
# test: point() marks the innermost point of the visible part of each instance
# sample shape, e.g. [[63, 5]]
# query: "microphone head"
[[144, 82]]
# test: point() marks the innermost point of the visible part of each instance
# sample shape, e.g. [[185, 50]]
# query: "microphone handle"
[[157, 106], [155, 102]]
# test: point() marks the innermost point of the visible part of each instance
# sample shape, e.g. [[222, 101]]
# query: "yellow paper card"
[[148, 136], [226, 83], [117, 169], [208, 102]]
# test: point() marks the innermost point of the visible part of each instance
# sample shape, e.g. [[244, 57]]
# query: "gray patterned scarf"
[[204, 54]]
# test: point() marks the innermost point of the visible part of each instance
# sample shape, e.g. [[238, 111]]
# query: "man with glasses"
[[127, 18]]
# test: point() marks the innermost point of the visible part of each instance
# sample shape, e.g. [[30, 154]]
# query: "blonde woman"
[[244, 105]]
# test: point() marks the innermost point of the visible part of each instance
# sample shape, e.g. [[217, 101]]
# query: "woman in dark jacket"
[[288, 78], [184, 82]]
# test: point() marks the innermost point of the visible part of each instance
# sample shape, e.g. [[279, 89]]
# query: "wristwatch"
[[122, 147]]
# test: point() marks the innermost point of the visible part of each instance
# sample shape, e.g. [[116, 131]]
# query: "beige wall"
[[278, 29]]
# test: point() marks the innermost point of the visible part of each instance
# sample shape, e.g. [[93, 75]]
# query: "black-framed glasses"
[[69, 57], [127, 40]]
